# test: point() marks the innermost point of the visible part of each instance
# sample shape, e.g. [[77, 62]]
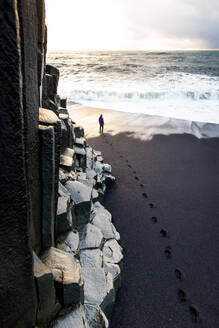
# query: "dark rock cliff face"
[[17, 293], [55, 237]]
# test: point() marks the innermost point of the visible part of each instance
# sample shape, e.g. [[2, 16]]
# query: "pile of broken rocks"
[[86, 261]]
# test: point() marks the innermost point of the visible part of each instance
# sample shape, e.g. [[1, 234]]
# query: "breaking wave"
[[174, 84], [115, 96]]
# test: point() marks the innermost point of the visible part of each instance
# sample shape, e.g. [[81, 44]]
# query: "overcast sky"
[[132, 24]]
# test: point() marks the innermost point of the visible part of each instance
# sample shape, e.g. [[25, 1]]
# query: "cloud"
[[128, 24], [183, 19]]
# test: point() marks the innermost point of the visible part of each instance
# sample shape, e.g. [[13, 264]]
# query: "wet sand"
[[165, 205]]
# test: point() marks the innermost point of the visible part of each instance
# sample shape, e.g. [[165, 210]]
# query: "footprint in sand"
[[121, 156], [141, 185], [127, 161], [194, 313], [136, 178], [168, 252], [130, 166], [145, 195], [151, 205], [179, 274], [182, 295], [154, 219], [163, 232], [134, 172]]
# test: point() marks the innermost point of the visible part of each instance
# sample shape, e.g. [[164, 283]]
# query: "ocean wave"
[[112, 96]]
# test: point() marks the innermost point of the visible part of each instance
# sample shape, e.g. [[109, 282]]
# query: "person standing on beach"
[[101, 122]]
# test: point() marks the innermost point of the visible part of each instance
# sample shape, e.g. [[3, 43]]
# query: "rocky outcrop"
[[92, 239], [60, 257]]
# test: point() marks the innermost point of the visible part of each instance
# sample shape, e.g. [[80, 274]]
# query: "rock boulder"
[[66, 271], [81, 196]]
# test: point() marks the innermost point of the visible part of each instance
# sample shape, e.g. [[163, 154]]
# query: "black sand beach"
[[180, 175], [171, 265]]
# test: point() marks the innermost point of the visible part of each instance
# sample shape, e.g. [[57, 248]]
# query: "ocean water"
[[180, 84]]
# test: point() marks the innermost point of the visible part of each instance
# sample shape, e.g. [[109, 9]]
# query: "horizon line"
[[143, 50]]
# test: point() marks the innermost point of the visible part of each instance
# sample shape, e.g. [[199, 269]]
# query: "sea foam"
[[174, 84]]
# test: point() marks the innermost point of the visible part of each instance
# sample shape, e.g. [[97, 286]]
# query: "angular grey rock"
[[74, 319], [107, 168], [115, 271], [90, 152], [97, 153], [98, 288], [95, 195], [109, 300], [112, 252], [63, 110], [65, 175], [63, 191], [64, 220], [90, 237], [96, 317], [81, 142], [101, 221], [66, 271], [69, 242], [80, 156], [47, 306], [81, 196], [66, 158], [100, 159], [79, 131], [98, 208], [96, 285], [79, 151], [91, 258], [82, 177], [98, 167], [90, 174], [89, 163], [90, 158]]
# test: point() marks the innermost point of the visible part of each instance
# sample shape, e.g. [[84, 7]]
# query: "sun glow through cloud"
[[128, 25]]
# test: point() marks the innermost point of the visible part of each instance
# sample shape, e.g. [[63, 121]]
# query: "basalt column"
[[31, 15], [17, 296]]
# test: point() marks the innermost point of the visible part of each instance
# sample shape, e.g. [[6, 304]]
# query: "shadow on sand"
[[171, 247]]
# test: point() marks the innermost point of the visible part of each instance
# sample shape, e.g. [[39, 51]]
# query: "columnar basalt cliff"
[[60, 256]]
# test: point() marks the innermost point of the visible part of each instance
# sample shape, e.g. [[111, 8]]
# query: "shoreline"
[[141, 126]]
